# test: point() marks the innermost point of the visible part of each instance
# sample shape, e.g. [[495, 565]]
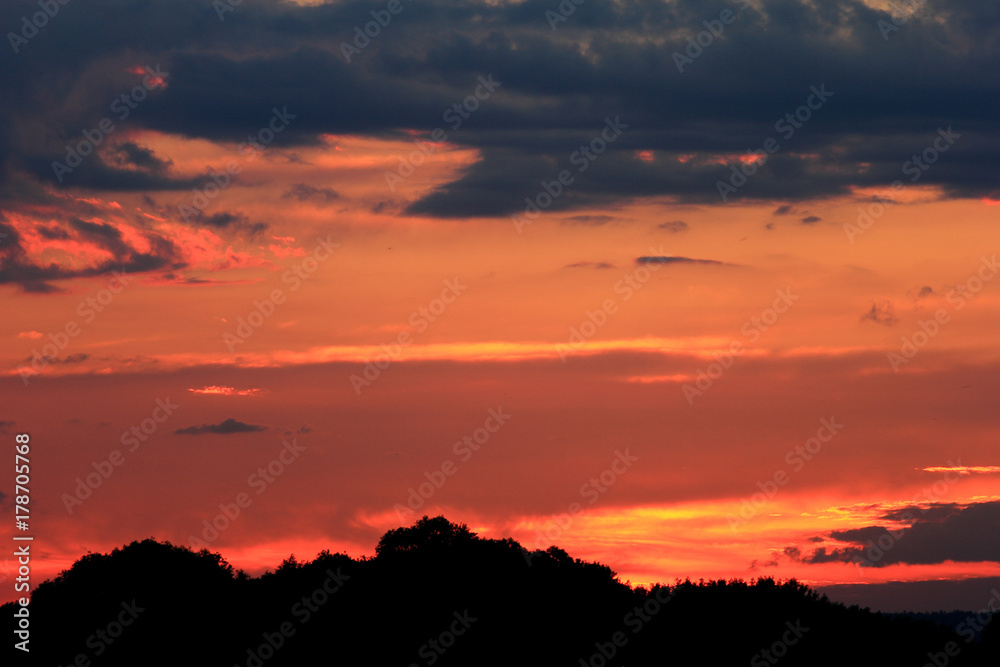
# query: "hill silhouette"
[[437, 594]]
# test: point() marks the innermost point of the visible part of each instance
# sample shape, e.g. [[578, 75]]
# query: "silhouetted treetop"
[[438, 594], [437, 534]]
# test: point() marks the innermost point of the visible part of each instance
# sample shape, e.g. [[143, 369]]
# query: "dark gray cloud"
[[927, 514], [104, 235], [18, 269], [235, 221], [225, 219], [657, 259], [674, 226], [937, 533], [131, 154], [810, 219], [883, 313], [77, 358], [52, 233], [305, 192], [96, 174], [226, 427], [890, 95]]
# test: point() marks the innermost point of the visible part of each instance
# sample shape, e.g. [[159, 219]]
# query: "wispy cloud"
[[227, 391], [664, 259], [963, 470], [883, 313]]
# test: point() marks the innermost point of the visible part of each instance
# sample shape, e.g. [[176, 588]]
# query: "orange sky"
[[471, 315]]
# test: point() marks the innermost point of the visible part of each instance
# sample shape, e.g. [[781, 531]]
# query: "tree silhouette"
[[437, 594], [427, 535]]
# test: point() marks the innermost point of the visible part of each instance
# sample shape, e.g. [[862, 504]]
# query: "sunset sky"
[[694, 289]]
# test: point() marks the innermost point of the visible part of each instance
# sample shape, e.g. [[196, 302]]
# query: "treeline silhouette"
[[437, 594]]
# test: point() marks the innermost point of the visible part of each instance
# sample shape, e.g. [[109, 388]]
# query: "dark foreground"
[[435, 594]]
